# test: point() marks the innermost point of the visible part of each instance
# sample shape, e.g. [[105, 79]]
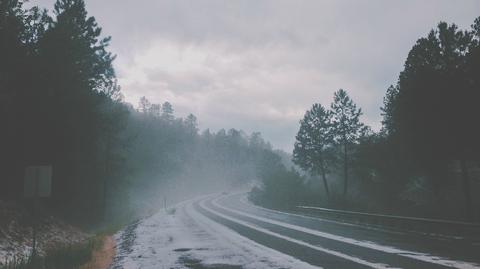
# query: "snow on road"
[[366, 244], [184, 238]]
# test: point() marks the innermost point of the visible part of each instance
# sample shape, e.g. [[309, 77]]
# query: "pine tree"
[[346, 127], [76, 52], [76, 70], [433, 112], [144, 105], [167, 112], [191, 124], [313, 140]]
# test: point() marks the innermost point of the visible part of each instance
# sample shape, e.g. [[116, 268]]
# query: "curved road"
[[332, 244]]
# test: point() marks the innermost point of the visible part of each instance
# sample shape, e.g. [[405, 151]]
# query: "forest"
[[425, 160], [61, 105], [239, 134]]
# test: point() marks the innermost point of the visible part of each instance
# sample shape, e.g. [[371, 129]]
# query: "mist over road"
[[227, 231]]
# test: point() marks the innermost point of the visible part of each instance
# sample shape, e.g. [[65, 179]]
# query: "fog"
[[255, 121], [170, 160]]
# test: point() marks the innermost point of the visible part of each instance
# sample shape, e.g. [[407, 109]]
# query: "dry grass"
[[103, 256]]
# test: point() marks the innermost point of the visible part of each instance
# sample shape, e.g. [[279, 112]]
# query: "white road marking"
[[387, 249], [318, 248], [259, 256], [437, 236]]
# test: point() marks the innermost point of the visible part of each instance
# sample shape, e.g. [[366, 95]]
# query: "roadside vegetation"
[[113, 162], [66, 257], [424, 161]]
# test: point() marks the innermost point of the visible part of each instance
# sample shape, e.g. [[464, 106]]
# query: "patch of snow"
[[175, 240], [16, 232]]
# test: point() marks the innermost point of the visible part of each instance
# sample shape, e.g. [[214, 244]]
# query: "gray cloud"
[[258, 65]]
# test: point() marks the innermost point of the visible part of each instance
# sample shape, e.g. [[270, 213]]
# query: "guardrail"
[[437, 226]]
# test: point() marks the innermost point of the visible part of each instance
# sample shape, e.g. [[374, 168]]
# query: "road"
[[278, 240]]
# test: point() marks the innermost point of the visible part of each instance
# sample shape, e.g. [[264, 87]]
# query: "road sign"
[[38, 181]]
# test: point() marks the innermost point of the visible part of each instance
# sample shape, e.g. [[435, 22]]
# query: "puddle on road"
[[197, 264], [188, 249], [182, 249]]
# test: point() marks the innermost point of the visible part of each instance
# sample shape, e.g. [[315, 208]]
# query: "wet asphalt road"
[[332, 244]]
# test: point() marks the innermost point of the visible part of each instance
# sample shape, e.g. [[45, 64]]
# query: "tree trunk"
[[466, 190], [104, 202], [325, 184], [105, 180], [345, 168]]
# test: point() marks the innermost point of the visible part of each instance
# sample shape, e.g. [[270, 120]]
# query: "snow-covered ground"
[[183, 238], [16, 232]]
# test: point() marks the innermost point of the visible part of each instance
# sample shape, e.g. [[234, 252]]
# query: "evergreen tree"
[[155, 110], [432, 114], [78, 54], [167, 112], [76, 71], [346, 127], [313, 143], [144, 105], [191, 123], [388, 110]]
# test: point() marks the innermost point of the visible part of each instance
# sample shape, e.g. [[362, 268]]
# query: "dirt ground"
[[103, 257]]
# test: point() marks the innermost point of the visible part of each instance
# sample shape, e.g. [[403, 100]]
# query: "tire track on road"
[[312, 254]]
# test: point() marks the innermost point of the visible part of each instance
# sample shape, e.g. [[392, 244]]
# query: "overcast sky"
[[258, 65]]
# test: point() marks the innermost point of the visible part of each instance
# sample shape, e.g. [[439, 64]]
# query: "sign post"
[[37, 183]]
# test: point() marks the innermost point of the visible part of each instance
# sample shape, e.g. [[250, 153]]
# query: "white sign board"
[[38, 181]]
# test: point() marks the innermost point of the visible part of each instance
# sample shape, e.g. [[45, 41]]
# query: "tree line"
[[61, 105], [426, 158]]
